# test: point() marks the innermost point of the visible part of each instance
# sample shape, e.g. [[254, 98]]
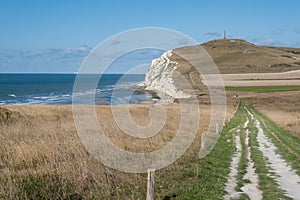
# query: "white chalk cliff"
[[160, 77]]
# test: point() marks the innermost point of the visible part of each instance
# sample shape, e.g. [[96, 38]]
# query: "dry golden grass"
[[240, 56], [41, 155], [281, 107]]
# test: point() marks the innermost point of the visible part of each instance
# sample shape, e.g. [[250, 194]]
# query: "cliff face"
[[173, 75], [161, 77]]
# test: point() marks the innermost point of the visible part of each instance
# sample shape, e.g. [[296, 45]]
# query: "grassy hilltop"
[[240, 56]]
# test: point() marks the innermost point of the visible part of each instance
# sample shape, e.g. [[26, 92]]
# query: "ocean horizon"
[[57, 88]]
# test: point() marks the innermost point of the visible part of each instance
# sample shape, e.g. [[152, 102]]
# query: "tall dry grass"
[[281, 107], [42, 157]]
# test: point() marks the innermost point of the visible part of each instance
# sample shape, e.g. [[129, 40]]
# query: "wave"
[[120, 93], [11, 95]]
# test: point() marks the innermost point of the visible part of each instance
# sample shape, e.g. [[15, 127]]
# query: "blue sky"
[[55, 35]]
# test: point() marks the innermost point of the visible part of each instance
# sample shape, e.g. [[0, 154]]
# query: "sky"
[[55, 36]]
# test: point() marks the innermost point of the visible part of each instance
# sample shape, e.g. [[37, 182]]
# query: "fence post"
[[150, 184]]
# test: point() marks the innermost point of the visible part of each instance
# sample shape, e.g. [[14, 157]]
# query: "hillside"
[[240, 56], [234, 57]]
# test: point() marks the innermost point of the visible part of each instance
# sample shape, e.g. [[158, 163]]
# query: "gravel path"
[[231, 181], [285, 176], [251, 188], [281, 171]]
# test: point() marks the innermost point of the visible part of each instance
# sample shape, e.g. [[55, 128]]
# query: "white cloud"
[[130, 60], [182, 41], [57, 53], [57, 59], [266, 42], [272, 42], [83, 48], [69, 59], [213, 33]]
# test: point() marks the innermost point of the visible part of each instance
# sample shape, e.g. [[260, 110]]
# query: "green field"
[[262, 89]]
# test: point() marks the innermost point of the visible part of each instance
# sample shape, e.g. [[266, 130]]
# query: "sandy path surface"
[[263, 76], [251, 188], [280, 170], [285, 176], [231, 181]]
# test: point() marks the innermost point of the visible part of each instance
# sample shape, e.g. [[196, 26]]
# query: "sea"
[[49, 89]]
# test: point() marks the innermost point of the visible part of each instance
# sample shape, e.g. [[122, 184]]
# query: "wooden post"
[[150, 184]]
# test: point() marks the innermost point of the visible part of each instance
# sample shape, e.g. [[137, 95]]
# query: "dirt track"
[[279, 168], [259, 79], [262, 79]]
